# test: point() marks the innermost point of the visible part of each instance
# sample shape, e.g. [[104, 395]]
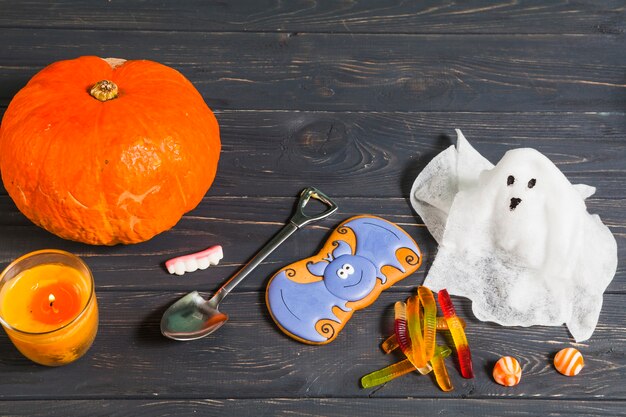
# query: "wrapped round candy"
[[569, 361], [507, 371]]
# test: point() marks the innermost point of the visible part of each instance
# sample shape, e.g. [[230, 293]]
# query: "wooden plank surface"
[[320, 407], [251, 358], [276, 71], [354, 98], [386, 150], [242, 226], [391, 16]]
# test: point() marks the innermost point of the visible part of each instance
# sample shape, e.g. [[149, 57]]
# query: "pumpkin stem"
[[104, 90]]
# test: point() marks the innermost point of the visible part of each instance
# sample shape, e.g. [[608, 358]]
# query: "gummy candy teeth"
[[195, 261]]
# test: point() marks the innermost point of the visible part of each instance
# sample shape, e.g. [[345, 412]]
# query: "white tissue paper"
[[516, 239]]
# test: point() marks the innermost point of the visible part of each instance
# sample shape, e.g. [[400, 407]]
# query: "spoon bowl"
[[192, 317]]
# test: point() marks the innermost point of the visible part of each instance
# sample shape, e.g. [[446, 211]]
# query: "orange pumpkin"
[[108, 162]]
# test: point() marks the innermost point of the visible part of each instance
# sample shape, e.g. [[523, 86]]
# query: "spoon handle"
[[298, 219]]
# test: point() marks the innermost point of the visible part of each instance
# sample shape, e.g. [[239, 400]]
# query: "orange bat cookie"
[[312, 299]]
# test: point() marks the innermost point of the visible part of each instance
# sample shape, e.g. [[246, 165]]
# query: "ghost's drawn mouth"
[[514, 203], [354, 285]]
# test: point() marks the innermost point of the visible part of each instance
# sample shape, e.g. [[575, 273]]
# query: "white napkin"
[[516, 238]]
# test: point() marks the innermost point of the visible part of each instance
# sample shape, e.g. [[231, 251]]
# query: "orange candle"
[[48, 306]]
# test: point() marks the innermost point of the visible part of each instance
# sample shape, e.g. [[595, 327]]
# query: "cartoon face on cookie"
[[348, 277]]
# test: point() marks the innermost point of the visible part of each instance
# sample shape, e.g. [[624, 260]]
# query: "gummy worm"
[[391, 343], [458, 334], [402, 336], [387, 374], [414, 319], [398, 369], [439, 368], [400, 326], [430, 321]]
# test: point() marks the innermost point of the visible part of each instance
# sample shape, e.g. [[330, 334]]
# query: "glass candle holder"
[[48, 306]]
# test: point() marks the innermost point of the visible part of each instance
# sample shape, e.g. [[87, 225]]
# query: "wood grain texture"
[[250, 358], [320, 407], [379, 154], [354, 98], [242, 226], [379, 16], [276, 71]]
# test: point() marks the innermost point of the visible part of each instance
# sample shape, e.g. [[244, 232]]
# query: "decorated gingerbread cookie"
[[312, 299]]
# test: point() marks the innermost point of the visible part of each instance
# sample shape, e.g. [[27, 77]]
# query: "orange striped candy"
[[569, 361], [507, 371]]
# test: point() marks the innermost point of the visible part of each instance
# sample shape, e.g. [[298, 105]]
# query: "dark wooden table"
[[354, 98]]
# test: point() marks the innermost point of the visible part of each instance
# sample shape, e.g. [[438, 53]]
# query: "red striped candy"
[[507, 371], [569, 361]]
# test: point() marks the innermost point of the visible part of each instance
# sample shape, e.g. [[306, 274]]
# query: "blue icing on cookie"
[[297, 307], [378, 241], [350, 277]]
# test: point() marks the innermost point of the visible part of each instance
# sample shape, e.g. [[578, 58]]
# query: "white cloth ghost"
[[516, 238]]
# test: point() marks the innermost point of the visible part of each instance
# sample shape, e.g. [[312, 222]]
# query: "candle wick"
[[51, 299]]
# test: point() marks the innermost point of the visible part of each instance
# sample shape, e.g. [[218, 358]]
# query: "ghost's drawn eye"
[[341, 273], [510, 180], [348, 268], [532, 183]]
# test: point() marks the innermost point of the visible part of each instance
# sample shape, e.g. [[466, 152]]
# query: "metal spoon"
[[192, 317]]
